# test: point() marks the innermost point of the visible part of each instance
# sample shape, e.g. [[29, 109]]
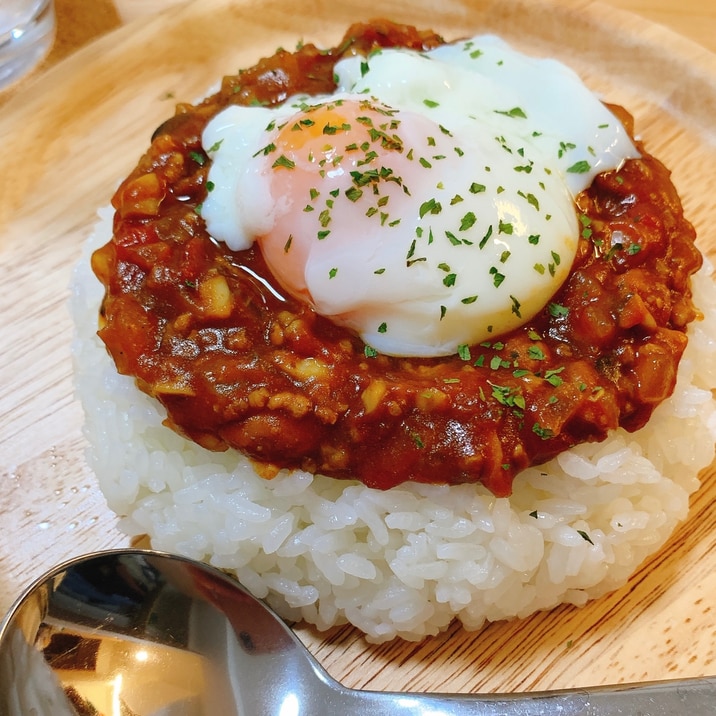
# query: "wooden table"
[[46, 517]]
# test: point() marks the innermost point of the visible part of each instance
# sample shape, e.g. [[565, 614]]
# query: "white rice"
[[407, 561]]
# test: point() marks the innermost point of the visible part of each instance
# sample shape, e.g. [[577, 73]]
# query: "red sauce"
[[206, 332]]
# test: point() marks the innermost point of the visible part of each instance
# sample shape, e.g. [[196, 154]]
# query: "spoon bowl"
[[138, 633]]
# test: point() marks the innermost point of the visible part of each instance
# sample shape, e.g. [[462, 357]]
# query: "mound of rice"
[[407, 561]]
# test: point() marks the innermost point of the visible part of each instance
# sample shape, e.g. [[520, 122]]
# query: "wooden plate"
[[68, 139]]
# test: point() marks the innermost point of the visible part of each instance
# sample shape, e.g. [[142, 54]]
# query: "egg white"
[[482, 230]]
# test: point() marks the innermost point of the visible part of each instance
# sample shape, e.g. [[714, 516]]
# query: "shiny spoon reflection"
[[139, 633]]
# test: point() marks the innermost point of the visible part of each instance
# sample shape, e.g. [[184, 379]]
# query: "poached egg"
[[428, 203]]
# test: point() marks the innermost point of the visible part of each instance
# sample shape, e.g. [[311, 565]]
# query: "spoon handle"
[[695, 697]]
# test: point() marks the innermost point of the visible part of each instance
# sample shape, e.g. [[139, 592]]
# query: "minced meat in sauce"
[[206, 332]]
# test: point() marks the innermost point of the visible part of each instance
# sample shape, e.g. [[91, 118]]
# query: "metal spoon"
[[135, 632]]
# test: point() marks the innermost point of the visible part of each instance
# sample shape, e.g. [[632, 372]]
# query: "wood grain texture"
[[69, 138]]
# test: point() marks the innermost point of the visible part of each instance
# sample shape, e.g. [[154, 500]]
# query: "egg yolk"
[[339, 170]]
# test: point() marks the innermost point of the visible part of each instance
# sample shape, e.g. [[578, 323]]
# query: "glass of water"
[[27, 30]]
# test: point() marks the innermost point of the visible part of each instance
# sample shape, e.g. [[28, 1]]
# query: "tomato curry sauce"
[[237, 364]]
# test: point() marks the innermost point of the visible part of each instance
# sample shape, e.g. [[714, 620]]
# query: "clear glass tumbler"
[[27, 30]]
